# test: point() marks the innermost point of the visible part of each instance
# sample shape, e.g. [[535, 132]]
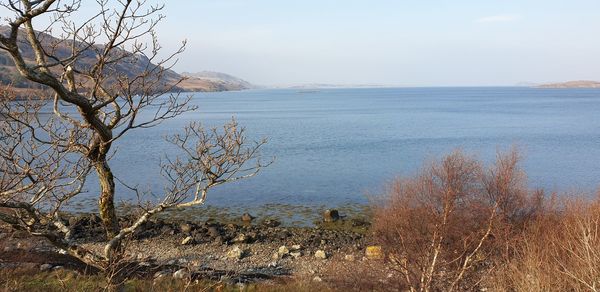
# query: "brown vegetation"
[[558, 251], [458, 225]]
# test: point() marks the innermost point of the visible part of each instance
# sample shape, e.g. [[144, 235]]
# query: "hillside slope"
[[131, 67], [215, 80]]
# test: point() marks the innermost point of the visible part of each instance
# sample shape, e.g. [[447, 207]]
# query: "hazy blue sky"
[[394, 42], [456, 42]]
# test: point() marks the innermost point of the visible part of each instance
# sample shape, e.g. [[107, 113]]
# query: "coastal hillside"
[[131, 66], [216, 81], [572, 84]]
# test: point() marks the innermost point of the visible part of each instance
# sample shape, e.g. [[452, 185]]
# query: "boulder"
[[331, 215], [247, 218]]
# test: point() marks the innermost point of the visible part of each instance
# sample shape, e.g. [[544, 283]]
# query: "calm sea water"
[[334, 146]]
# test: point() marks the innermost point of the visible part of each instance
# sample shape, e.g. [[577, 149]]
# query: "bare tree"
[[46, 159], [108, 101]]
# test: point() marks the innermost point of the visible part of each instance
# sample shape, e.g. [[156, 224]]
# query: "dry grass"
[[559, 251]]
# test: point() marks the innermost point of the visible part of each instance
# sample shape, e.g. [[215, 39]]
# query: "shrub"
[[442, 227]]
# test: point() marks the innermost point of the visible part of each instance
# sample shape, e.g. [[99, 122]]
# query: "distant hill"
[[572, 84], [130, 66], [219, 81]]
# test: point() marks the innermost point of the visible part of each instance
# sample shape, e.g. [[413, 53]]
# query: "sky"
[[388, 42]]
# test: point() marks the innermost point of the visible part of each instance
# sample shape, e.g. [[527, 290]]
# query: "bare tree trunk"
[[106, 201]]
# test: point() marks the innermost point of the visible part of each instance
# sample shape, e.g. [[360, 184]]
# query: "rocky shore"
[[252, 249]]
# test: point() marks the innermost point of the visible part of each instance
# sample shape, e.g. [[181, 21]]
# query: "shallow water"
[[334, 146]]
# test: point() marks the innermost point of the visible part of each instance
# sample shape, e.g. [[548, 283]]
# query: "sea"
[[333, 147]]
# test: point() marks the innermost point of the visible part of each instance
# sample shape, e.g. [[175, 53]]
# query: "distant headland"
[[572, 84]]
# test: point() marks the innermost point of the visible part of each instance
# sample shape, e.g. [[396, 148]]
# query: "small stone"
[[247, 218], [295, 247], [272, 264], [181, 274], [45, 267], [240, 238], [320, 254], [374, 252], [236, 253], [349, 257], [283, 250], [58, 268], [331, 215], [185, 228], [187, 240], [296, 254], [317, 279]]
